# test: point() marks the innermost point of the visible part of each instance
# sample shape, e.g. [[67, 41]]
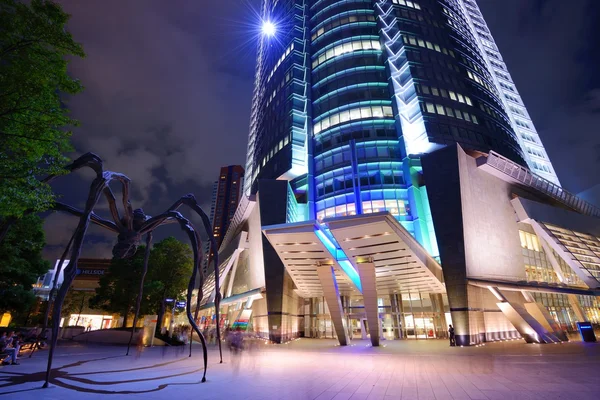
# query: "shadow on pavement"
[[61, 378]]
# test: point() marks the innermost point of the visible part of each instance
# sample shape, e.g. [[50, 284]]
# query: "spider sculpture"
[[130, 228]]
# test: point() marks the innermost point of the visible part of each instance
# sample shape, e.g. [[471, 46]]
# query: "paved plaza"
[[315, 369]]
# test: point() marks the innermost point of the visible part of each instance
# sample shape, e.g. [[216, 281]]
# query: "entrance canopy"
[[302, 251], [401, 264]]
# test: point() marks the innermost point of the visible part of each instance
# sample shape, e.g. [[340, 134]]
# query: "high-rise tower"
[[531, 144], [349, 94], [392, 165], [226, 195]]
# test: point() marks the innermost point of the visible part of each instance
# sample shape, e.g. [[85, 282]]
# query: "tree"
[[119, 286], [34, 45], [169, 271], [21, 264], [76, 302]]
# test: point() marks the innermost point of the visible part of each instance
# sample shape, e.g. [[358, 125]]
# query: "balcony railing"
[[527, 178]]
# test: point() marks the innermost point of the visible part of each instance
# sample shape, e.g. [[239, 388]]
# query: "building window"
[[353, 115], [344, 48]]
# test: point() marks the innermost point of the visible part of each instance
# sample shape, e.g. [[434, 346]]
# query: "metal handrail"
[[526, 177]]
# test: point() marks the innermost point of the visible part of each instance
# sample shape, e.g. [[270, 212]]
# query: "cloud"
[[167, 99], [59, 228], [154, 99]]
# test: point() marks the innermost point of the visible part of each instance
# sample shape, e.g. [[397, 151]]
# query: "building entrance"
[[420, 327]]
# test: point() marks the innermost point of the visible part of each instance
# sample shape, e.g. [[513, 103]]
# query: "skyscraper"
[[349, 94], [394, 184], [226, 195]]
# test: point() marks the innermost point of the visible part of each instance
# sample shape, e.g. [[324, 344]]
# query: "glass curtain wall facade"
[[358, 156], [349, 94], [533, 149], [277, 143]]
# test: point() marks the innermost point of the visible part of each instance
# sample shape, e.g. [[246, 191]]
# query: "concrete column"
[[395, 316], [332, 297], [366, 272], [346, 308], [402, 319]]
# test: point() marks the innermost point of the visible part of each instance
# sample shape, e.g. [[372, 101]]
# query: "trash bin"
[[586, 330]]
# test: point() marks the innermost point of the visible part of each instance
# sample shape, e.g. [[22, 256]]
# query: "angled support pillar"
[[541, 314], [366, 272], [332, 297], [526, 324], [576, 306]]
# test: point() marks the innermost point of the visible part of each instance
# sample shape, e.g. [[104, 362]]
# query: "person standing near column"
[[451, 335]]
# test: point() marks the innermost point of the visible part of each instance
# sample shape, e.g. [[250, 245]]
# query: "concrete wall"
[[277, 315], [112, 336], [491, 232], [442, 180], [477, 233]]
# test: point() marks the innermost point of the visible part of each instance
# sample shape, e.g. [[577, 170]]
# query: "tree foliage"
[[21, 264], [34, 45], [76, 302], [119, 286], [169, 269]]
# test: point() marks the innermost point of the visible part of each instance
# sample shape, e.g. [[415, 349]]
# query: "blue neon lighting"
[[326, 242], [340, 257], [351, 272]]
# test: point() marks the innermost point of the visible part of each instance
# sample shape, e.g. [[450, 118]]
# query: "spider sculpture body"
[[130, 228]]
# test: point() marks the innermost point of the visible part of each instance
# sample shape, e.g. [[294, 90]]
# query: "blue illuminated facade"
[[350, 93]]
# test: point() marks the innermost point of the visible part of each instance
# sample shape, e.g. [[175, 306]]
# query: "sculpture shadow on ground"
[[68, 380]]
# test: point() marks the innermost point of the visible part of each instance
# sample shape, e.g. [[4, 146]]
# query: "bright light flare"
[[268, 28]]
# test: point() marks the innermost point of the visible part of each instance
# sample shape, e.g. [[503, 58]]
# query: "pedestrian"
[[451, 334], [140, 342], [5, 342]]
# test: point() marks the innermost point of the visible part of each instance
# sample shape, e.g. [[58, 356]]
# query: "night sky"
[[168, 87]]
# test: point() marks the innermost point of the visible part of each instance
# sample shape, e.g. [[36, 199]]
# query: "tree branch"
[[27, 137]]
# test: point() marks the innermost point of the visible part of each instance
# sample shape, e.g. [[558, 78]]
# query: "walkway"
[[317, 369]]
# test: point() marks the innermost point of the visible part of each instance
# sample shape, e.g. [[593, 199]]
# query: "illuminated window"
[[529, 241], [346, 48], [353, 115]]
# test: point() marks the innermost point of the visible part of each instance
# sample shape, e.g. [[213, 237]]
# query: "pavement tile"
[[315, 369]]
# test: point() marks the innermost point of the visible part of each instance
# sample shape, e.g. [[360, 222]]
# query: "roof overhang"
[[302, 252], [401, 264]]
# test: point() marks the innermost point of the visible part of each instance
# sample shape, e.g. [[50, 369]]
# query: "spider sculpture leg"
[[112, 205], [138, 301], [128, 216], [198, 300], [188, 228], [200, 286], [96, 220], [95, 190], [190, 201]]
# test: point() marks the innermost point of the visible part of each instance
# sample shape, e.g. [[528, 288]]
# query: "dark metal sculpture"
[[130, 228]]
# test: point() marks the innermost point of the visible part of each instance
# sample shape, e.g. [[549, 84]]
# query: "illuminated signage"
[[90, 271]]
